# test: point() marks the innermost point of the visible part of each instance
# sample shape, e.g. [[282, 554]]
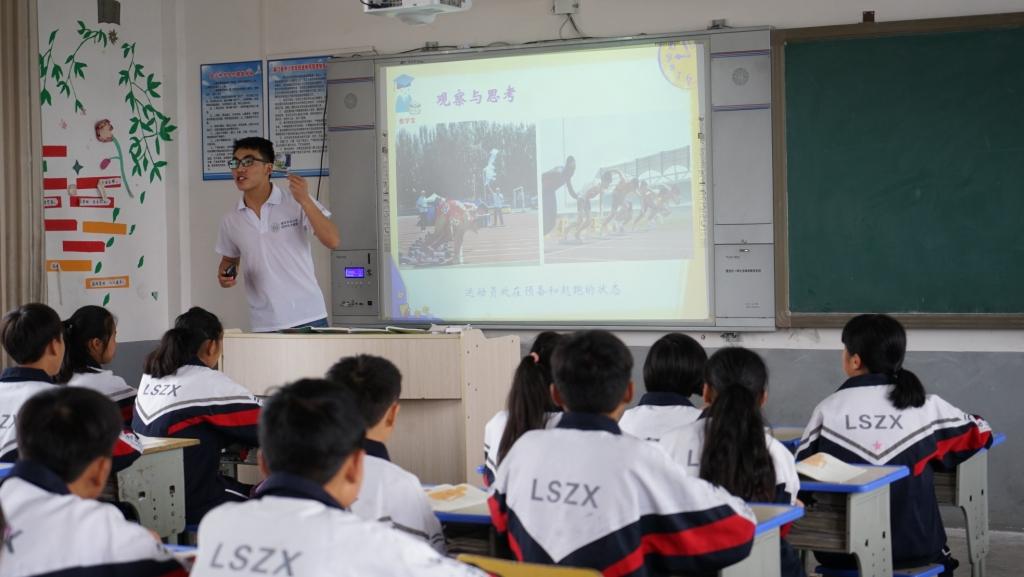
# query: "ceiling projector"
[[415, 11]]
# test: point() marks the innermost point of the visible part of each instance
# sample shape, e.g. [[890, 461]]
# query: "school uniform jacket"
[[392, 495], [17, 385], [493, 431], [296, 528], [859, 424], [656, 414], [686, 445], [110, 385], [51, 532], [198, 402], [582, 494]]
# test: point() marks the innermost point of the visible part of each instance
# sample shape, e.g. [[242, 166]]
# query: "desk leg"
[[155, 485], [972, 498], [763, 560], [869, 528]]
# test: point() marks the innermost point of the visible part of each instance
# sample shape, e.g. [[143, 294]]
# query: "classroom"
[[824, 160]]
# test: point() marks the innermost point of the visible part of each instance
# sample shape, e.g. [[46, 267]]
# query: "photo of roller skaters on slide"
[[467, 195]]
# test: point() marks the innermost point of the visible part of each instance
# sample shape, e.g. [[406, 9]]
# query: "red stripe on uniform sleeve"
[[499, 518], [970, 440], [728, 533], [246, 418]]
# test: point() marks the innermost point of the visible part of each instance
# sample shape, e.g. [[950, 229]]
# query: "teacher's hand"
[[299, 189]]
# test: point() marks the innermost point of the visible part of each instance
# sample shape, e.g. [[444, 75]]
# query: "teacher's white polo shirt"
[[276, 261]]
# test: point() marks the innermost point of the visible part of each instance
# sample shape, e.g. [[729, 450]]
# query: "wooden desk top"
[[152, 445]]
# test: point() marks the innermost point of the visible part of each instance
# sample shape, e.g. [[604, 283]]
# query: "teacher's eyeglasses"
[[244, 162]]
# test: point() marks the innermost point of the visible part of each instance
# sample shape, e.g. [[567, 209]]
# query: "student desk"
[[155, 485], [788, 436], [452, 384], [852, 518], [764, 556], [763, 560], [966, 487]]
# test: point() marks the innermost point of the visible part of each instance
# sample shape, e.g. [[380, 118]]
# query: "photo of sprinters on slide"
[[467, 195], [614, 191]]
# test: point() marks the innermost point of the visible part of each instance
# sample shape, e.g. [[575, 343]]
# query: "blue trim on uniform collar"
[[40, 476], [665, 399], [589, 422], [23, 374], [869, 380], [289, 485], [376, 449]]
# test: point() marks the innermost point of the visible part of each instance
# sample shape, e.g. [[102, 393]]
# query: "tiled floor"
[[1005, 559]]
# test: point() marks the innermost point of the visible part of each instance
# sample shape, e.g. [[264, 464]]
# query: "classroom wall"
[[978, 370]]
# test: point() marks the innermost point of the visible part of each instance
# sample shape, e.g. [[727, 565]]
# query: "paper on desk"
[[453, 498], [827, 469]]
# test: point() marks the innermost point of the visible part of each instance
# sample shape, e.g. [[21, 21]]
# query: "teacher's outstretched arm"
[[323, 229]]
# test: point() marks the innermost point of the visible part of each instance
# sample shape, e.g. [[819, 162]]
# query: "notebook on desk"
[[463, 498], [828, 469]]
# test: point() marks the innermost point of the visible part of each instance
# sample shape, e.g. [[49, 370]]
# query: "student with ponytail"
[[182, 395], [673, 371], [881, 415], [529, 405], [729, 446], [90, 341]]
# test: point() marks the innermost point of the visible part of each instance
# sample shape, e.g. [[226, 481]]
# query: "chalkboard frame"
[[785, 318]]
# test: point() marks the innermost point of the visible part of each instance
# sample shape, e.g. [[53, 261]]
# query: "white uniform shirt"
[[51, 531], [392, 495], [296, 528], [17, 384], [106, 382], [493, 431], [685, 444], [276, 261], [656, 414]]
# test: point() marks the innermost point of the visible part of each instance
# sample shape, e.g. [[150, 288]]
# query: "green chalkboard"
[[905, 173]]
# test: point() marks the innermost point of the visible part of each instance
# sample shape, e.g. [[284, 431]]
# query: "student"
[[182, 395], [881, 415], [583, 494], [90, 341], [728, 445], [54, 524], [34, 337], [311, 434], [673, 371], [389, 493], [529, 405]]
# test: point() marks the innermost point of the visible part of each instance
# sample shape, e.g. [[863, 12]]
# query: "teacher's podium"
[[452, 384]]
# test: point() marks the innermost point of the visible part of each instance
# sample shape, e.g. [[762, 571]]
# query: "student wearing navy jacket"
[[54, 525], [583, 494], [182, 395], [882, 416], [728, 445], [34, 337], [90, 341], [311, 436], [673, 372]]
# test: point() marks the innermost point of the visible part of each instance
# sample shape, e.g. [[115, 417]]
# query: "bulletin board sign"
[[232, 107], [296, 107]]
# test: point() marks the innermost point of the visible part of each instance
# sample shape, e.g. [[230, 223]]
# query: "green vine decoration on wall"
[[153, 125]]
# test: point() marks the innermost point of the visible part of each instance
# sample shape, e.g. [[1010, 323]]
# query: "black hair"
[[735, 454], [675, 364], [591, 370], [881, 342], [261, 145], [67, 428], [182, 343], [529, 399], [308, 428], [26, 331], [88, 323], [375, 384]]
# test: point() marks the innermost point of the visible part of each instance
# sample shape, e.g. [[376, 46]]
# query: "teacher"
[[266, 238]]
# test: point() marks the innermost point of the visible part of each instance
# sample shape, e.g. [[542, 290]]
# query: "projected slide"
[[563, 186]]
